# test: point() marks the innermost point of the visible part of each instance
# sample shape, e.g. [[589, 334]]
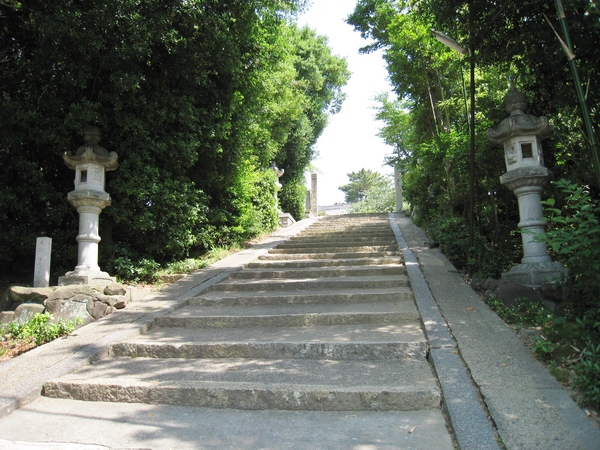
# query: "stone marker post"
[[314, 208], [90, 162], [398, 186], [521, 134], [43, 253]]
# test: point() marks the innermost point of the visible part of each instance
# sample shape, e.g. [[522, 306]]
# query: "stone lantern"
[[521, 136], [90, 162], [278, 186]]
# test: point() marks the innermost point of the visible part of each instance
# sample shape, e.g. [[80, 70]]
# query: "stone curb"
[[469, 420]]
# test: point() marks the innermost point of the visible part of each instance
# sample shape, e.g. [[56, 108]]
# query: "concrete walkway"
[[493, 389]]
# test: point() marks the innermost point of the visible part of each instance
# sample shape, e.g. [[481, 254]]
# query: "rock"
[[68, 292], [476, 283], [109, 300], [551, 292], [7, 316], [26, 311], [98, 310], [115, 289], [169, 278], [508, 293], [73, 301], [21, 294], [122, 302], [491, 284], [76, 307]]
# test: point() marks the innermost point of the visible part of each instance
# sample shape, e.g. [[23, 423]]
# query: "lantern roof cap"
[[91, 152], [518, 123]]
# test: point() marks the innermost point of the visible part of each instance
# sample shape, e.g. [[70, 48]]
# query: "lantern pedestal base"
[[92, 278], [535, 274]]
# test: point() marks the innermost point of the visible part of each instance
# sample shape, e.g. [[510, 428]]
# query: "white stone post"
[[43, 253], [520, 135], [398, 186], [314, 207], [90, 163]]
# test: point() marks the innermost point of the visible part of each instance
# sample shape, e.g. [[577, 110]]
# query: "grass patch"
[[568, 344]]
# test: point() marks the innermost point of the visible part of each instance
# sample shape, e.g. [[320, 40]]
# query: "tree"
[[361, 183], [428, 124], [320, 78], [197, 98], [379, 198]]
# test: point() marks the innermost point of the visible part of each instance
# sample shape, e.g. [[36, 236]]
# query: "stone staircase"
[[324, 322]]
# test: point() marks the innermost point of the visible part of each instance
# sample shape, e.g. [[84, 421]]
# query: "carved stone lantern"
[[90, 162], [278, 186], [521, 136]]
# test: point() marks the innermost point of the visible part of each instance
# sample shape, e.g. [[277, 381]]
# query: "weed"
[[37, 330]]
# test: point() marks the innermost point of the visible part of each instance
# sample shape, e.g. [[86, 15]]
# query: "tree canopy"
[[428, 122], [198, 98]]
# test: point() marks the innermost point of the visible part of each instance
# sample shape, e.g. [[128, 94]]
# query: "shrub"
[[40, 328], [573, 236], [484, 258]]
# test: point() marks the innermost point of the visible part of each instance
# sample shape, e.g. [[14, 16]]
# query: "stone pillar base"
[[286, 219], [535, 274], [91, 278]]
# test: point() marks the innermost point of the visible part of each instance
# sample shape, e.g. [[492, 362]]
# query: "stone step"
[[345, 234], [289, 315], [335, 342], [341, 255], [307, 272], [316, 385], [336, 242], [349, 282], [324, 296], [312, 263], [346, 249]]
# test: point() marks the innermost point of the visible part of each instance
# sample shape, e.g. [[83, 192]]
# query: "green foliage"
[[452, 235], [41, 328], [428, 123], [378, 198], [573, 237], [588, 375], [361, 182], [134, 271], [569, 343], [522, 313], [197, 98]]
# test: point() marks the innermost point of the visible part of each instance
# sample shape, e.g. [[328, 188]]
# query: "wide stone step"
[[315, 283], [344, 234], [307, 272], [290, 315], [340, 262], [335, 342], [347, 249], [340, 255], [336, 242], [212, 298], [318, 385]]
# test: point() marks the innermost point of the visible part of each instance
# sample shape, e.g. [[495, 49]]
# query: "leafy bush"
[[127, 269], [569, 343], [573, 236], [587, 373], [40, 328], [523, 312], [452, 235]]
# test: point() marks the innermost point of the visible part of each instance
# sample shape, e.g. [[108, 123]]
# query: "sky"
[[350, 141]]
